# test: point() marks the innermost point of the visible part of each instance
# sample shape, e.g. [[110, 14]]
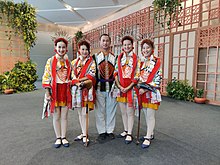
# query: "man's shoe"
[[111, 135], [102, 136]]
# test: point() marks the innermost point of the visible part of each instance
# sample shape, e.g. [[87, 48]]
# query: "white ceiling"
[[76, 12]]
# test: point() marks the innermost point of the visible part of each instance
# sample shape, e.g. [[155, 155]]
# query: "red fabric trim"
[[154, 71], [91, 78], [84, 69], [69, 95], [53, 83], [61, 93], [75, 70], [135, 81], [46, 85], [129, 81], [75, 82]]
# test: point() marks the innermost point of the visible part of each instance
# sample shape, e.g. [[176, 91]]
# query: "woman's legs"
[[124, 116], [57, 127], [56, 122], [127, 114], [82, 121], [64, 122], [130, 116], [150, 122]]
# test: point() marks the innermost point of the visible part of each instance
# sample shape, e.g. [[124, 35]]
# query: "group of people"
[[101, 82]]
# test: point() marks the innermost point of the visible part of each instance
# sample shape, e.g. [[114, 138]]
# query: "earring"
[[123, 49]]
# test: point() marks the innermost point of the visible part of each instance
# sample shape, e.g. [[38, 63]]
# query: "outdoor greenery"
[[2, 77], [22, 18], [167, 8], [200, 93], [21, 78], [79, 36], [180, 90]]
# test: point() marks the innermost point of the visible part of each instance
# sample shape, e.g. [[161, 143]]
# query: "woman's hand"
[[141, 91], [126, 89], [48, 96]]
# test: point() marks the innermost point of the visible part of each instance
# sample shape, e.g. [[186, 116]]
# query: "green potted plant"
[[78, 36], [7, 85], [200, 97], [180, 90]]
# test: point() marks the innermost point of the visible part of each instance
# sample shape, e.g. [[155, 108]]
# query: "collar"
[[59, 58], [105, 53], [130, 54]]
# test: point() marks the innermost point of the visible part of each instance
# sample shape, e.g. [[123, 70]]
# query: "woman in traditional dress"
[[83, 81], [55, 80], [149, 82], [126, 77]]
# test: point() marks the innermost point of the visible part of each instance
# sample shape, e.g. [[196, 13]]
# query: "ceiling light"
[[99, 7], [68, 7], [64, 9], [70, 22]]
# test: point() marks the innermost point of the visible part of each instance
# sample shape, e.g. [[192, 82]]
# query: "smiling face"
[[61, 48], [105, 42], [127, 46], [84, 51], [147, 50]]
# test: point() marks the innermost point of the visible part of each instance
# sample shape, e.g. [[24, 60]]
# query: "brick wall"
[[12, 50]]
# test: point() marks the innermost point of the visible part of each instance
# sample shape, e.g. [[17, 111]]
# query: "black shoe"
[[57, 145], [84, 141], [65, 144], [111, 135], [122, 136], [128, 141], [102, 136], [143, 138]]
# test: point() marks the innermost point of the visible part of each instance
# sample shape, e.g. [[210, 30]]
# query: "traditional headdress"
[[61, 35]]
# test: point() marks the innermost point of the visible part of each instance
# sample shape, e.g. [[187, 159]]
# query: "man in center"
[[105, 103]]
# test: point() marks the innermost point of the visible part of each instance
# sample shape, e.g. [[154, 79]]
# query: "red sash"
[[85, 67], [124, 83], [81, 75], [54, 85], [154, 71], [150, 79]]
